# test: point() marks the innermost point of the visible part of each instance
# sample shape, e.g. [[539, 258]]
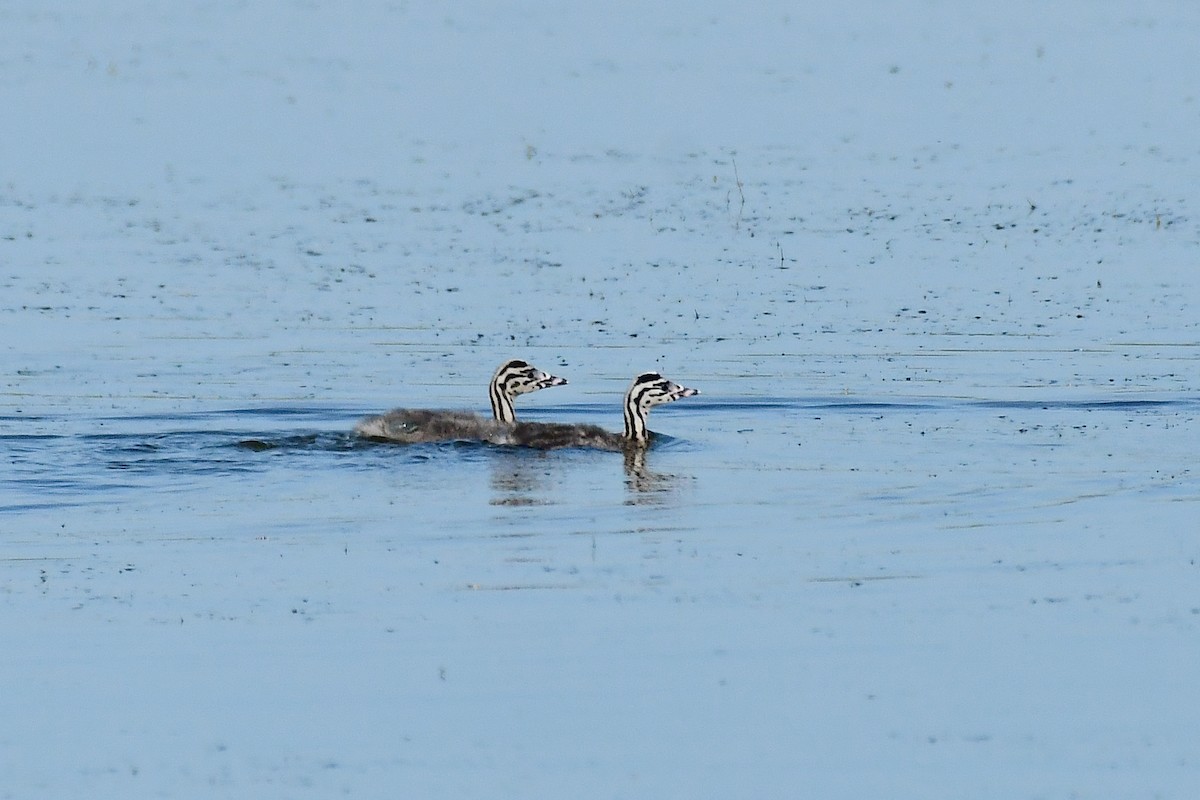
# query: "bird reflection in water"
[[519, 479], [522, 478], [647, 487]]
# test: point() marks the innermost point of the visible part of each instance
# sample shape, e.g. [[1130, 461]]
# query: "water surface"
[[929, 531]]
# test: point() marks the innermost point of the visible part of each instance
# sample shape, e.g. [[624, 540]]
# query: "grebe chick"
[[415, 425], [645, 392]]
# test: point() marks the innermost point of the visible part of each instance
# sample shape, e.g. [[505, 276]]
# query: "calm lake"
[[930, 530]]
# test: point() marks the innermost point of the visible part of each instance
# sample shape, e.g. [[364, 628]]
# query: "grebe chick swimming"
[[645, 392], [415, 425]]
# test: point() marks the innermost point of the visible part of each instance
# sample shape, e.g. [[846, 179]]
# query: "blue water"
[[253, 597], [1082, 446], [929, 531]]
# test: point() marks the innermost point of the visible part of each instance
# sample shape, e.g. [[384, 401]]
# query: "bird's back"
[[416, 425]]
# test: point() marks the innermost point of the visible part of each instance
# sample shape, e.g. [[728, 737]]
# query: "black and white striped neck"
[[647, 391], [514, 378]]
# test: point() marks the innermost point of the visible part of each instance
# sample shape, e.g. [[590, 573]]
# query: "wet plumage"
[[645, 392], [415, 425]]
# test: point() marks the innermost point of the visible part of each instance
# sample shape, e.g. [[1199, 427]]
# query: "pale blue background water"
[[930, 531]]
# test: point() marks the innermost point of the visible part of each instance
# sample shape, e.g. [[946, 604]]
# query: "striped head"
[[647, 391], [513, 378]]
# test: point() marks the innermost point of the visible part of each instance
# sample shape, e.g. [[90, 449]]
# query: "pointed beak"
[[679, 392], [547, 380]]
